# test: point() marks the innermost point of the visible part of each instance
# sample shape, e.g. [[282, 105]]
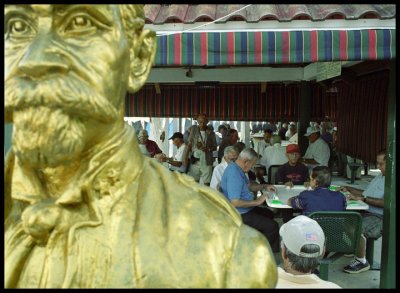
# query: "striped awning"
[[235, 102], [275, 47]]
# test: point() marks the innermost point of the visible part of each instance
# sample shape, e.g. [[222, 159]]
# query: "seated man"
[[318, 151], [320, 198], [230, 155], [234, 185], [292, 173], [231, 138], [373, 217], [176, 161], [302, 246], [293, 135], [145, 144], [274, 154]]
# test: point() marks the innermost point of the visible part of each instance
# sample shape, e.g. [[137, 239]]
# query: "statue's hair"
[[133, 19]]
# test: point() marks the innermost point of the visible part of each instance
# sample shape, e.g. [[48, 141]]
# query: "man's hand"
[[261, 199], [289, 183], [306, 184], [271, 188]]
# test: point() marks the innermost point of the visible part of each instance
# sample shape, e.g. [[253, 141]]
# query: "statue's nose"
[[42, 58]]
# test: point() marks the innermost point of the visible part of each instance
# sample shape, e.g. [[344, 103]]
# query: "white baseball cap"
[[301, 231], [311, 130]]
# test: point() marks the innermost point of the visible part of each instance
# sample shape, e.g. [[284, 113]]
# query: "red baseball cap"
[[292, 148]]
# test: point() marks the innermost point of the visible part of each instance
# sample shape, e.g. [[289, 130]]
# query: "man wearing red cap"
[[293, 172]]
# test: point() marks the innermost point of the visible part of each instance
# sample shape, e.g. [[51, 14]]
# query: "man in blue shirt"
[[234, 185], [320, 198]]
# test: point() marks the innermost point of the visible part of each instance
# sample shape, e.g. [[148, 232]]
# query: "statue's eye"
[[17, 27], [80, 23]]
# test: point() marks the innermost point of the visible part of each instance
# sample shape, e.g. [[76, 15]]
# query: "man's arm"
[[248, 203], [174, 163], [354, 191], [377, 202]]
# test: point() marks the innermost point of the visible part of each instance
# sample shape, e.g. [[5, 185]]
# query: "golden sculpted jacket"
[[127, 222]]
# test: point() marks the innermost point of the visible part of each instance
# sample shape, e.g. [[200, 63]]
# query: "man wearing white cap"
[[318, 151], [302, 245]]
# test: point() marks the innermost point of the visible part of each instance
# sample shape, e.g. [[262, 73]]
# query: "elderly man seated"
[[235, 187], [318, 151], [302, 246], [230, 154], [147, 147], [176, 162]]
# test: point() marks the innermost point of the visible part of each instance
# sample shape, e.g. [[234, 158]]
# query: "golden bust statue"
[[83, 207]]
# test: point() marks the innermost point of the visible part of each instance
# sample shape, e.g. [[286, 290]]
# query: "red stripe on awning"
[[285, 47], [177, 49], [372, 44], [257, 47], [314, 45], [203, 48], [231, 48], [343, 45]]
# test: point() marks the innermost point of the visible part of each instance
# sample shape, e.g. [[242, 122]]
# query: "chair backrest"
[[342, 230], [272, 174]]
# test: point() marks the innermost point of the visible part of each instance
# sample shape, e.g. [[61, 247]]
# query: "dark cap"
[[177, 135]]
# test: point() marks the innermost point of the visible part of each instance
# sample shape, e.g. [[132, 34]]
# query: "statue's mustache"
[[69, 94]]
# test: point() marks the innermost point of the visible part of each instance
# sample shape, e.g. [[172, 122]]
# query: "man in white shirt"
[[275, 154], [318, 151], [292, 134], [176, 162], [230, 154]]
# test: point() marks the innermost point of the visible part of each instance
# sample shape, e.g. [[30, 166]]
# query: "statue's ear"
[[142, 56]]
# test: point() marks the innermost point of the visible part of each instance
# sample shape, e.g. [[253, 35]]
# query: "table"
[[283, 193]]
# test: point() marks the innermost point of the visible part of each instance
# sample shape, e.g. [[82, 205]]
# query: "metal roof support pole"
[[388, 257], [304, 115]]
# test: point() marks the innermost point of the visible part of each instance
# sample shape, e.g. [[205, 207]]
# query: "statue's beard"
[[50, 118], [47, 137]]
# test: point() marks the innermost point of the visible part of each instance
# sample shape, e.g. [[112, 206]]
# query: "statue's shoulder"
[[181, 191]]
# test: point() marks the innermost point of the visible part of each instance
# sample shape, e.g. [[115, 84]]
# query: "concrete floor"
[[368, 279]]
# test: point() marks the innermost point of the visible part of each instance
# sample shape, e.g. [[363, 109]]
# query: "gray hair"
[[275, 139], [304, 264], [248, 154], [230, 149], [322, 174]]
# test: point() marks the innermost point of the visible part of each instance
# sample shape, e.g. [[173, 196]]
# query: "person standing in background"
[[200, 148]]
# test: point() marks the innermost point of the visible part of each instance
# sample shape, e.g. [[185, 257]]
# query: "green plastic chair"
[[342, 233]]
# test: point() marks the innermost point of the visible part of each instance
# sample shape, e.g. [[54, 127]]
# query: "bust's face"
[[53, 49], [66, 69]]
